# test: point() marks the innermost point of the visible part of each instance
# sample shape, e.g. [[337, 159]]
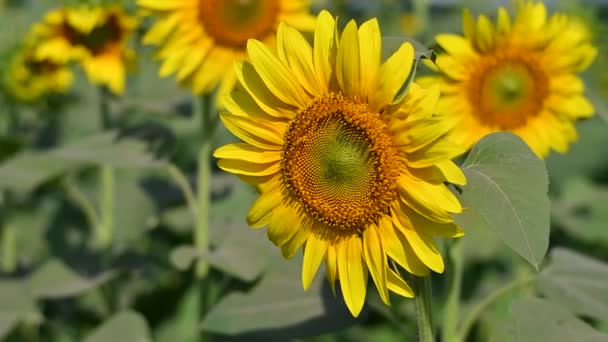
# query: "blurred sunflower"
[[28, 79], [347, 166], [201, 39], [95, 37], [519, 76]]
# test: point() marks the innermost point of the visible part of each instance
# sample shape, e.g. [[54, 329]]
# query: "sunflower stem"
[[452, 305], [477, 310], [424, 317], [203, 105]]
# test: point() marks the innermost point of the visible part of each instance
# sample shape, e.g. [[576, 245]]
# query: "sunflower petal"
[[398, 285], [353, 276], [260, 212], [392, 75], [275, 74], [325, 47], [398, 248], [331, 267], [348, 61], [423, 245], [370, 45], [284, 224], [260, 133], [314, 251], [375, 257]]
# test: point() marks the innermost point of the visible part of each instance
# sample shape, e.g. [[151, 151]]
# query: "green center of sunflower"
[[340, 163], [232, 22], [508, 88]]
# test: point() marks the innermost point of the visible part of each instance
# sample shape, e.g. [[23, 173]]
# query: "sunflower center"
[[99, 39], [507, 89], [232, 22], [340, 163]]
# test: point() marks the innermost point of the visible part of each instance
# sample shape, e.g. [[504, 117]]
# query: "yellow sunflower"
[[519, 75], [28, 79], [201, 39], [347, 166], [95, 37]]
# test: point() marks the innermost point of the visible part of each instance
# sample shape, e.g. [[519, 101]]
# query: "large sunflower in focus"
[[346, 165], [519, 75], [201, 39], [95, 37]]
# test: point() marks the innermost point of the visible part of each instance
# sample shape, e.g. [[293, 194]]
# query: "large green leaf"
[[278, 307], [577, 282], [539, 320], [582, 210], [55, 280], [507, 194], [124, 326], [29, 169]]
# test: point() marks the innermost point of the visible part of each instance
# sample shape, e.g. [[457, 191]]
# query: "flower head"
[[95, 37], [201, 39], [28, 79], [348, 167], [519, 75]]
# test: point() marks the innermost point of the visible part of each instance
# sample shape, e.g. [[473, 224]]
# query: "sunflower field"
[[304, 170]]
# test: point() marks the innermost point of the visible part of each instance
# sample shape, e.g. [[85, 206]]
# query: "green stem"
[[201, 234], [474, 314], [105, 228], [424, 316], [452, 306], [182, 182], [8, 258], [79, 199]]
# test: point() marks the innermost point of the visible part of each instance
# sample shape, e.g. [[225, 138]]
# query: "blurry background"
[[56, 286]]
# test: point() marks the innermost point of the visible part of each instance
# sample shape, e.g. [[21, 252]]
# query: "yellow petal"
[[295, 51], [456, 45], [242, 104], [161, 29], [398, 285], [283, 225], [375, 258], [242, 167], [423, 245], [261, 211], [392, 75], [353, 276], [325, 47], [290, 247], [503, 25], [444, 171], [398, 248], [314, 251], [263, 134], [434, 201], [430, 227], [276, 75], [485, 34], [255, 86], [247, 152], [331, 267], [573, 106], [468, 25], [347, 63], [370, 46]]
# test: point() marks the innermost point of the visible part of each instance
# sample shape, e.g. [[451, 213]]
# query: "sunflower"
[[28, 79], [95, 37], [347, 165], [519, 75], [201, 39]]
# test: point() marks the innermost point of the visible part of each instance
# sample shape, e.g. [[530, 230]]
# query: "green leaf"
[[124, 326], [278, 307], [16, 304], [582, 210], [29, 169], [576, 282], [184, 326], [538, 320], [507, 194], [182, 257], [55, 280]]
